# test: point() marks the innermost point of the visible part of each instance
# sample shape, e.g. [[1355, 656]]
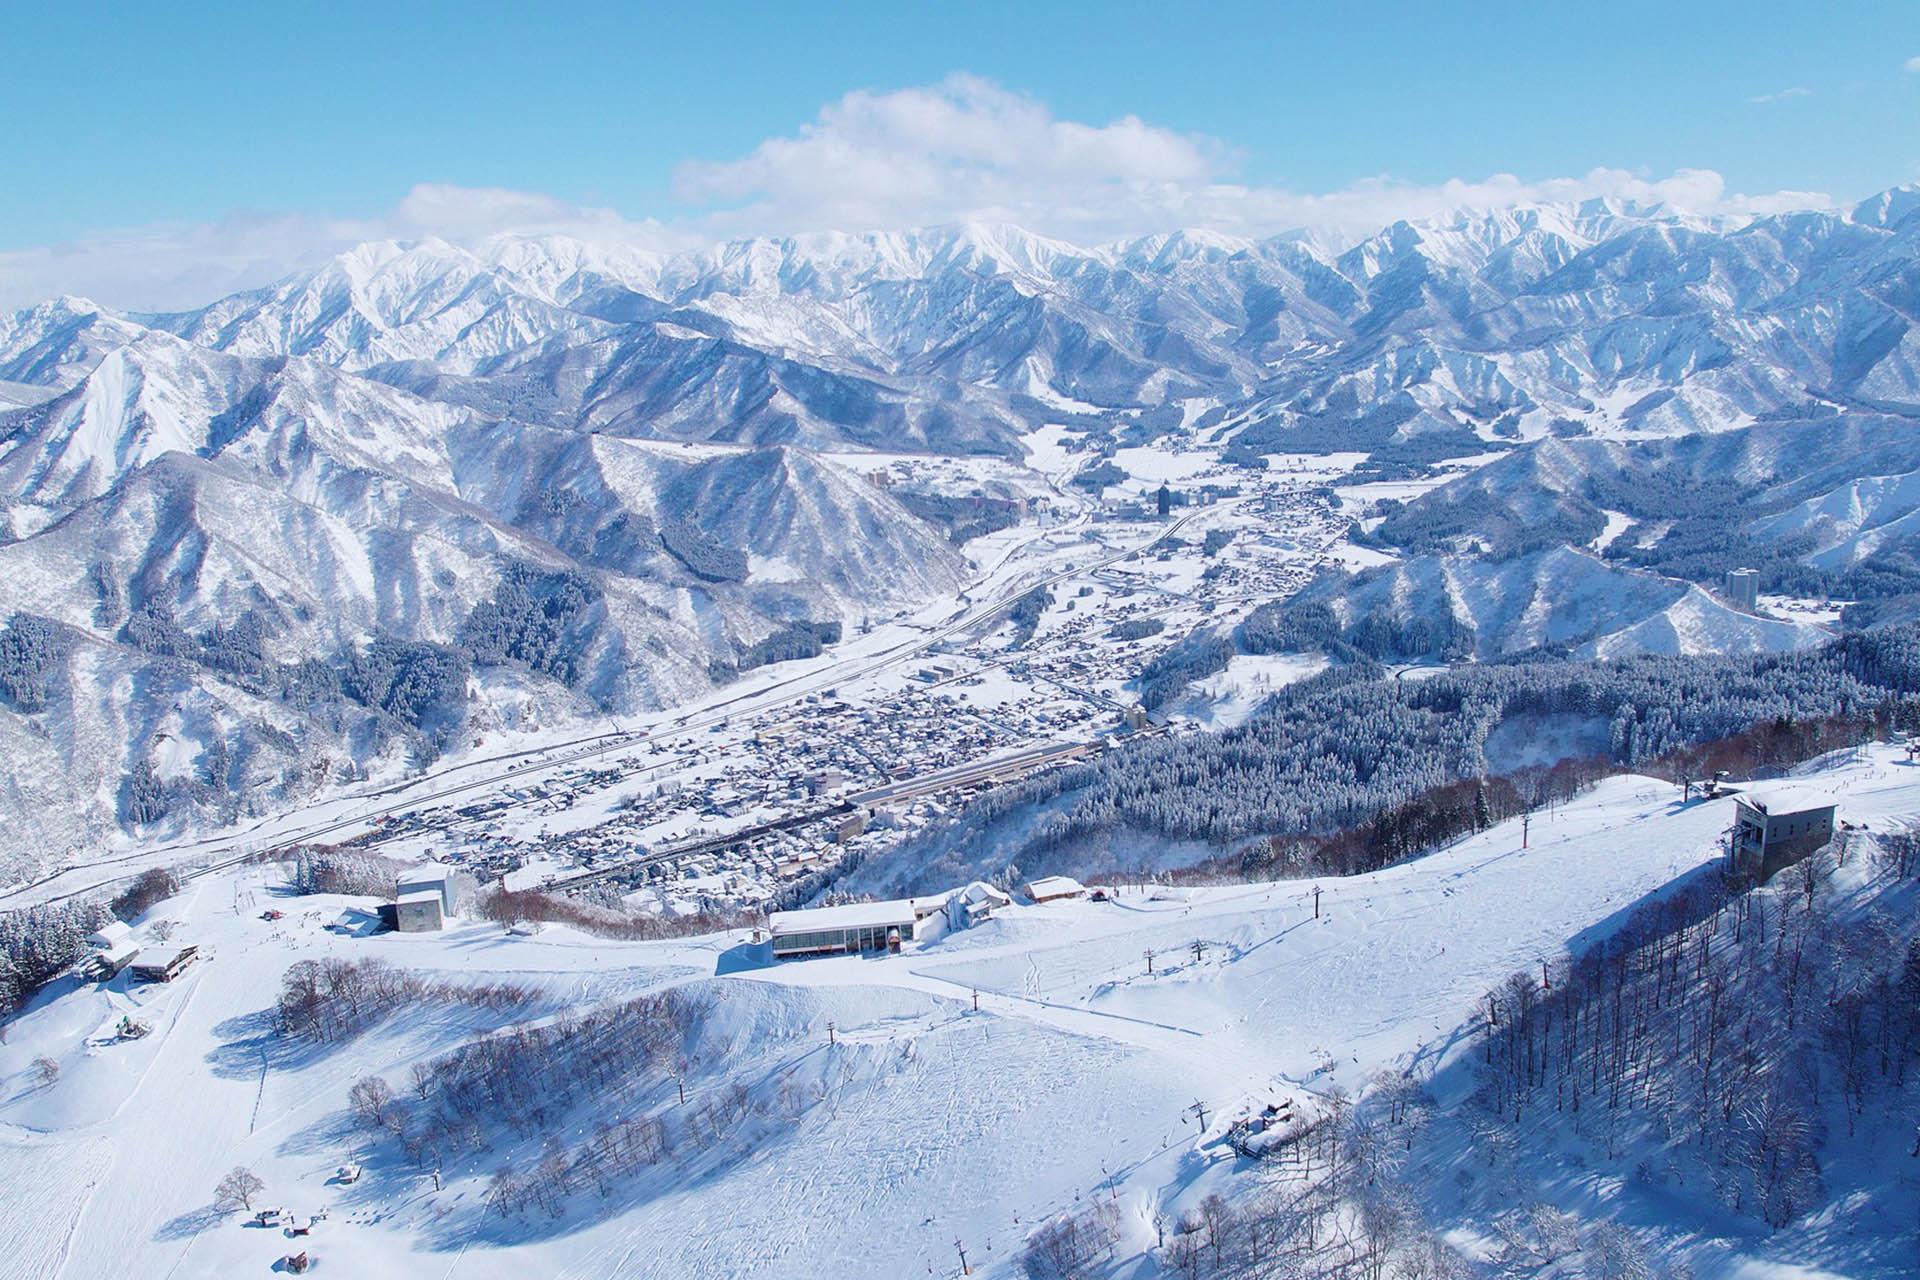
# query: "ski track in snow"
[[935, 1121]]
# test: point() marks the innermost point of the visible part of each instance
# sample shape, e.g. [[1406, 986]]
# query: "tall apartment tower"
[[1743, 588]]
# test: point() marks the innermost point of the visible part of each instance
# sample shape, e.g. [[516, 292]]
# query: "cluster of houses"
[[882, 926]]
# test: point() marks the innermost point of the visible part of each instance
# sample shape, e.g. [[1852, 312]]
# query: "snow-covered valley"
[[1360, 621]]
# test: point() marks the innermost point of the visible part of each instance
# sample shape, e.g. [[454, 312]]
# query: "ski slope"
[[924, 1121]]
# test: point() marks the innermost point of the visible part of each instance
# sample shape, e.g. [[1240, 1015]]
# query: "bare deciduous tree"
[[372, 1100], [237, 1189]]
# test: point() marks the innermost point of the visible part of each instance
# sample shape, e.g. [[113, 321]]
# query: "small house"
[[164, 965], [1054, 888], [977, 902], [110, 935], [929, 905], [109, 961]]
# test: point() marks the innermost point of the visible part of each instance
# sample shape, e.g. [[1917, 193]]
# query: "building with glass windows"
[[848, 929]]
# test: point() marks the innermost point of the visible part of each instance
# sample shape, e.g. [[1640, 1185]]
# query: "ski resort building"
[[977, 902], [855, 927], [164, 965], [108, 961], [430, 878], [1054, 888], [1774, 829], [419, 912], [110, 935]]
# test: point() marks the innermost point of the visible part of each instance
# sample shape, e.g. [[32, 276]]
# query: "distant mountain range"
[[255, 546]]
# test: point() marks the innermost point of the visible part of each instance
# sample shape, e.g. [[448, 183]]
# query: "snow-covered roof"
[[1774, 799], [419, 896], [110, 935], [1054, 887], [981, 891], [431, 873], [852, 915], [120, 952]]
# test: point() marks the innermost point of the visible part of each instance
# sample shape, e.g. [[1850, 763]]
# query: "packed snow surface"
[[922, 1122]]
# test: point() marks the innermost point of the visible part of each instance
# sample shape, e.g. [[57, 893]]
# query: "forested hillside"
[[1351, 745]]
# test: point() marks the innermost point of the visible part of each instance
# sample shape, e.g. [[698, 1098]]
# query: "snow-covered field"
[[923, 1123]]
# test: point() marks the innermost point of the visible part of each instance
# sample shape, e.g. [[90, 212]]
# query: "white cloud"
[[1911, 64], [968, 150], [964, 149], [1783, 95]]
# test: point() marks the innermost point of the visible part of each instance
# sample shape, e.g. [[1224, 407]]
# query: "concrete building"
[[855, 927], [430, 877], [1777, 828], [1743, 588], [419, 912]]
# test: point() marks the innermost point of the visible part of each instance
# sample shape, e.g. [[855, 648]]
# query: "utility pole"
[[681, 1085], [830, 1040], [976, 999], [1316, 902], [1199, 950], [1526, 825], [1149, 962], [1199, 1108], [965, 1270]]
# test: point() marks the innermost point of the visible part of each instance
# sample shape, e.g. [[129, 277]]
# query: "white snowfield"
[[924, 1124]]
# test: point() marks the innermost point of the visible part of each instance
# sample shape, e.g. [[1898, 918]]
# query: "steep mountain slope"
[[314, 560], [1555, 598], [591, 471], [1820, 507]]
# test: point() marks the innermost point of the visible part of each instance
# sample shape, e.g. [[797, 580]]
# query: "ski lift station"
[[1776, 827], [423, 899], [879, 926], [857, 926]]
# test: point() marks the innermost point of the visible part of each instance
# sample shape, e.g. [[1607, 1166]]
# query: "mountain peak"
[[1889, 208]]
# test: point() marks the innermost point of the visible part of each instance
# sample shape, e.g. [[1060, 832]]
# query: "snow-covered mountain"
[[627, 443], [1558, 598]]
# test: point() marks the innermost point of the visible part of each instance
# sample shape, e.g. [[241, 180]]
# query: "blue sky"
[[325, 118]]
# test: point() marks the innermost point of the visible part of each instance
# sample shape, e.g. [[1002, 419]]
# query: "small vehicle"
[[271, 914]]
